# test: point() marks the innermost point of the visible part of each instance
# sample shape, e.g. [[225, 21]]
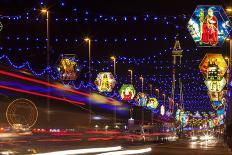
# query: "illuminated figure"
[[141, 99], [67, 69], [209, 34], [105, 82], [213, 70], [152, 103], [128, 94]]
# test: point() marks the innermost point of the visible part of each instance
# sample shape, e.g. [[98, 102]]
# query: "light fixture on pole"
[[88, 40], [142, 80], [114, 60], [131, 76], [45, 11]]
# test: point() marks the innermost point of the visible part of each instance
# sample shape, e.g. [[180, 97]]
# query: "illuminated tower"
[[176, 76]]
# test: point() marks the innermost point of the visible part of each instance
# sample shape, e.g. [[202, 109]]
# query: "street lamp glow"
[[87, 39], [112, 57], [229, 9], [44, 10]]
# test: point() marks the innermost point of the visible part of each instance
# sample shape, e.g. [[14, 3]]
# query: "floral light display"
[[127, 92], [105, 82], [209, 25]]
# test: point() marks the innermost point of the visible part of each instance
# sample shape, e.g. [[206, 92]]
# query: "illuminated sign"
[[127, 92], [213, 66], [67, 67], [215, 86], [215, 96], [162, 110], [141, 99], [209, 25], [105, 82], [152, 103]]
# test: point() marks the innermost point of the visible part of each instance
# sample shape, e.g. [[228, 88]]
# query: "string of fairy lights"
[[77, 16]]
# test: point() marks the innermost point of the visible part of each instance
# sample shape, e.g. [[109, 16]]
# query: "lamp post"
[[115, 110], [131, 75], [142, 80], [150, 85], [114, 60], [45, 11], [157, 90], [164, 98], [89, 50]]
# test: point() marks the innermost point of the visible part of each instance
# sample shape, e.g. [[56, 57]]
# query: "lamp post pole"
[[89, 50], [142, 80], [45, 11], [115, 108], [131, 76]]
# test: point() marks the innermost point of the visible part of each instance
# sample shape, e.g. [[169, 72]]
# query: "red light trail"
[[43, 83], [39, 94]]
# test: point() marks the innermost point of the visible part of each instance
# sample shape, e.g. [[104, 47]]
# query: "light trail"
[[83, 151], [42, 82], [42, 95], [140, 151], [48, 84]]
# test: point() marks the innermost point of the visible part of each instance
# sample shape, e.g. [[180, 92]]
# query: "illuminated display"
[[67, 68], [105, 82], [162, 110], [141, 99], [213, 66], [209, 25], [152, 103], [215, 96], [215, 86], [127, 92]]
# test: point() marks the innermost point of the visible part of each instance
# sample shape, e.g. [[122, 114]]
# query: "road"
[[185, 147], [37, 144]]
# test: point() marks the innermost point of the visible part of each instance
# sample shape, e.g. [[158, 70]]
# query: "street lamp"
[[131, 75], [114, 60], [157, 90], [229, 9], [115, 110], [150, 85], [89, 43], [88, 40], [164, 98], [142, 80], [45, 11]]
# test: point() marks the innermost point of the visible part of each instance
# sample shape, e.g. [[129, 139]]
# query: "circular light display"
[[141, 99], [127, 92], [22, 113], [105, 82], [152, 103]]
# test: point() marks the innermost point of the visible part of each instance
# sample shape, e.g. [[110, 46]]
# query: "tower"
[[177, 86]]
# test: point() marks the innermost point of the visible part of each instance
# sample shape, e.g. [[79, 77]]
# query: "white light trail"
[[83, 151], [126, 152]]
